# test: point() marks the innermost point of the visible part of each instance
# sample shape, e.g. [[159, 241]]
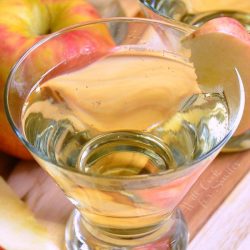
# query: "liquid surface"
[[151, 94]]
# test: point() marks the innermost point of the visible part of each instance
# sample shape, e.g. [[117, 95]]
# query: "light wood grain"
[[6, 164], [212, 188], [229, 226]]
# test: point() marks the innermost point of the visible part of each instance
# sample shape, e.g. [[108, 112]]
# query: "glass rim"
[[168, 23]]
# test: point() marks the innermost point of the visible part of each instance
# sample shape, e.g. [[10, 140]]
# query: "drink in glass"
[[123, 127]]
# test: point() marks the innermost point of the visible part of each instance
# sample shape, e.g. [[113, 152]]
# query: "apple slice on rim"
[[217, 48]]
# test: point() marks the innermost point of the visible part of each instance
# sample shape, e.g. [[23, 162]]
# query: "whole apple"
[[22, 24]]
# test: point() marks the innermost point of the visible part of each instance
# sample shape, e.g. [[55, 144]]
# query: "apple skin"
[[225, 25], [222, 44], [22, 24]]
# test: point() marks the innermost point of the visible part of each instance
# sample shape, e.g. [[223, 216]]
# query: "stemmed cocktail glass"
[[112, 110]]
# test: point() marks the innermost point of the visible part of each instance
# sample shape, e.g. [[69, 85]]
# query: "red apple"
[[22, 24], [218, 47]]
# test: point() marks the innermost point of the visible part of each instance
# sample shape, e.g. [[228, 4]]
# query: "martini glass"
[[198, 12], [120, 123]]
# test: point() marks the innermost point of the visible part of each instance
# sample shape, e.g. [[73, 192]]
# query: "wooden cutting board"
[[213, 187]]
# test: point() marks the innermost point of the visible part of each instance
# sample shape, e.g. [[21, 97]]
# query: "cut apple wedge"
[[19, 230], [218, 49], [135, 90]]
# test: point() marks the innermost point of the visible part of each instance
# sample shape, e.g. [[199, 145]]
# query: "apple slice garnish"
[[218, 48], [19, 229], [125, 93]]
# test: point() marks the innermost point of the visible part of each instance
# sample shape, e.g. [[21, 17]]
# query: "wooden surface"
[[229, 226]]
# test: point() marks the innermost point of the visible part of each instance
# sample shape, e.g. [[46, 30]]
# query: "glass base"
[[171, 235]]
